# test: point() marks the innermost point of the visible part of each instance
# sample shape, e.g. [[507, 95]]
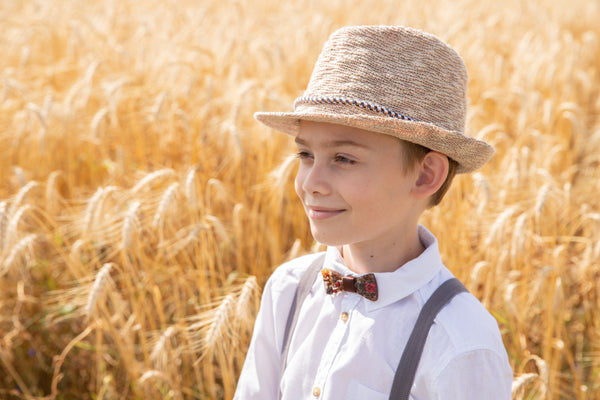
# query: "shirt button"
[[344, 316], [316, 392]]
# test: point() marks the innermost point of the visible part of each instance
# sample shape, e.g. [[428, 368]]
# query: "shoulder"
[[287, 275], [465, 325], [465, 339], [465, 328], [277, 298]]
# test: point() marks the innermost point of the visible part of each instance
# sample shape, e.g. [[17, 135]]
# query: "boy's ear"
[[431, 174]]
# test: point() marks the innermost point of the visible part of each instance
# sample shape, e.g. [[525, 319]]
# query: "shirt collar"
[[404, 281]]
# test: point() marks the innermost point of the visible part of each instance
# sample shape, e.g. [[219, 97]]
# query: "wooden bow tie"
[[365, 285]]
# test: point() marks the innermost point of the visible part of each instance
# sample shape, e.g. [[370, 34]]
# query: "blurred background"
[[142, 208]]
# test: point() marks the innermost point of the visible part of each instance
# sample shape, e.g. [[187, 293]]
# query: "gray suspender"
[[407, 368], [304, 285]]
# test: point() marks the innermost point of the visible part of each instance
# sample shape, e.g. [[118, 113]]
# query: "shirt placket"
[[336, 340]]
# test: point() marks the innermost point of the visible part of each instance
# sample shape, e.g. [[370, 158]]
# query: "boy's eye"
[[340, 158], [303, 155]]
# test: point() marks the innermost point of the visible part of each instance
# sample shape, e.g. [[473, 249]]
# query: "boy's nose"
[[314, 180]]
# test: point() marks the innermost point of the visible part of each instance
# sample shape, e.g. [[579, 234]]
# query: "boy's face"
[[353, 185]]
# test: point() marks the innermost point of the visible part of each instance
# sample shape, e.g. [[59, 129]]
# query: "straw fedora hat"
[[393, 80]]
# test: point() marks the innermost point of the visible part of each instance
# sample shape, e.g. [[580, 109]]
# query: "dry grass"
[[142, 209]]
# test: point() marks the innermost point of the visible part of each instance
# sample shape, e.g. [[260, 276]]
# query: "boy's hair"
[[414, 153]]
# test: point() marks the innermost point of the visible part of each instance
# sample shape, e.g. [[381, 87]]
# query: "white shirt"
[[347, 347]]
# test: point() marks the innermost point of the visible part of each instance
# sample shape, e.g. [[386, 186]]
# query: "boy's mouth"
[[318, 213]]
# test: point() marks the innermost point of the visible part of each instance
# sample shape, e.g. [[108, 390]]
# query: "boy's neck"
[[380, 256]]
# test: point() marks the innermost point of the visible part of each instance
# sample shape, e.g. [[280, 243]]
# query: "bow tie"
[[365, 285]]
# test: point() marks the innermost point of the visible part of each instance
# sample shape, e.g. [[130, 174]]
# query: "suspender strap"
[[304, 285], [405, 374]]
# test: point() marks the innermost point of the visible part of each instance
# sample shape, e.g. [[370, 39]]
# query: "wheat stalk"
[[238, 220], [8, 366], [58, 362]]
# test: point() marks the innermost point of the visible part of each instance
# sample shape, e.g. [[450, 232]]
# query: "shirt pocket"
[[357, 390]]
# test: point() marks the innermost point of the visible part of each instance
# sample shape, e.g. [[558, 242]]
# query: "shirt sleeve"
[[478, 374], [260, 374]]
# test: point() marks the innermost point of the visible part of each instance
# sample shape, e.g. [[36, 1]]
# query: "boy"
[[379, 132]]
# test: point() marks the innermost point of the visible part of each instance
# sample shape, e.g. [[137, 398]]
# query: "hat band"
[[354, 102]]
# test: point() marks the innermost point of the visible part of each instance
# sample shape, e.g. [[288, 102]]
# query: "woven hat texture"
[[393, 80]]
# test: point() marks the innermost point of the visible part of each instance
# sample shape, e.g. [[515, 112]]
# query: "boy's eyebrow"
[[334, 143]]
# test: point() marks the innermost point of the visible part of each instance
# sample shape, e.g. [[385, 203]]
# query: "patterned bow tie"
[[365, 285]]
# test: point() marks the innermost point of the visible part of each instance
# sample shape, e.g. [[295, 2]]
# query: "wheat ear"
[[245, 301], [18, 252], [13, 224], [164, 205], [152, 178], [22, 195], [95, 206], [52, 189], [158, 356], [95, 124], [129, 224], [219, 327], [3, 223], [521, 381], [102, 279], [190, 188]]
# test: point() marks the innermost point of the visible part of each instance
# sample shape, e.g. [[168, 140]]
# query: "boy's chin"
[[327, 240]]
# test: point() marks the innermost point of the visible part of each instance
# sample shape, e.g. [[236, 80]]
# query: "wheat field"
[[142, 209]]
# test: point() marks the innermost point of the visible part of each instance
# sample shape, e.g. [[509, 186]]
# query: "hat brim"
[[470, 153]]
